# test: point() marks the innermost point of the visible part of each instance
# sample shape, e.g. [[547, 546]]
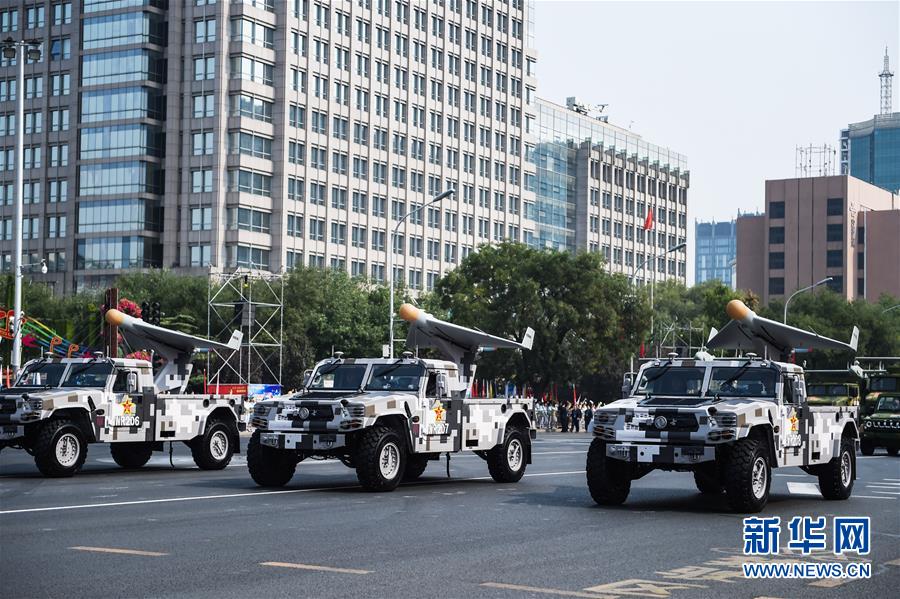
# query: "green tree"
[[586, 321]]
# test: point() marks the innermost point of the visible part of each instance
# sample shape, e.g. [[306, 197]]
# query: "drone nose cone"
[[114, 317], [409, 313], [737, 310]]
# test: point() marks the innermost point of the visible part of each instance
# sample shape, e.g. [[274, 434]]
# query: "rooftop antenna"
[[886, 76]]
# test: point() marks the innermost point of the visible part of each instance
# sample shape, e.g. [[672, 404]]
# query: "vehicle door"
[[790, 425], [437, 420], [130, 417]]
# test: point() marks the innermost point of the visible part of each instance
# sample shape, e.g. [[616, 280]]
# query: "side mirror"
[[627, 383], [132, 382], [442, 384], [798, 390]]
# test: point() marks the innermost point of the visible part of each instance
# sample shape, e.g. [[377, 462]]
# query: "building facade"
[[204, 135], [715, 250], [597, 183], [818, 227], [870, 151]]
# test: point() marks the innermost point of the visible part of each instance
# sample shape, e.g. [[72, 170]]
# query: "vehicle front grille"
[[675, 422], [727, 420], [357, 411]]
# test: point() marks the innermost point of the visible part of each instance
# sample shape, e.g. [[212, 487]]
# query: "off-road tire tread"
[[496, 458], [366, 459], [200, 446], [131, 455], [830, 474], [706, 484], [739, 477], [892, 451], [269, 467], [415, 467], [606, 487], [45, 452], [866, 448]]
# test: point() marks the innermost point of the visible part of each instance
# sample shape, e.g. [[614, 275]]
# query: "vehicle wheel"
[[506, 462], [836, 477], [380, 459], [707, 484], [415, 466], [60, 448], [748, 476], [866, 447], [607, 479], [269, 467], [213, 449], [131, 455], [892, 451]]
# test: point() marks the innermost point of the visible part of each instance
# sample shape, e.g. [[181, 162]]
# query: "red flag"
[[643, 352], [648, 222]]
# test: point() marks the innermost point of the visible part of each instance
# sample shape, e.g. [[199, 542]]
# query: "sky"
[[736, 86]]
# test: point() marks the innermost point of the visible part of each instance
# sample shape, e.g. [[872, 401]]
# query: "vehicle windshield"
[[740, 381], [883, 383], [89, 375], [396, 377], [41, 374], [888, 404], [827, 390], [338, 377], [670, 380]]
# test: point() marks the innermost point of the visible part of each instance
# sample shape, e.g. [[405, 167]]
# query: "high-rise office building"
[[204, 135], [870, 150], [596, 185], [819, 227], [714, 254]]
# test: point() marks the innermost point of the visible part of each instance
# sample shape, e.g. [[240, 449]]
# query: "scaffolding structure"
[[815, 161], [684, 339], [251, 301]]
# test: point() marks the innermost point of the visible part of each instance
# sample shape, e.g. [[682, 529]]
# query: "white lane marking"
[[255, 493], [317, 568], [871, 497], [885, 492], [800, 475], [885, 485], [120, 551], [803, 488]]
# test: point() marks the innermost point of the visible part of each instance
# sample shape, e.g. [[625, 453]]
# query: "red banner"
[[227, 389]]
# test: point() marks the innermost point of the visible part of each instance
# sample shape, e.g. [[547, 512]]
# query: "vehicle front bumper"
[[891, 439], [303, 441], [654, 453], [11, 432]]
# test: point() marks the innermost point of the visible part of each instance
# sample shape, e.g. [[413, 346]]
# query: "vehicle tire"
[[213, 449], [131, 455], [506, 462], [836, 477], [707, 484], [748, 476], [60, 448], [892, 451], [269, 467], [866, 447], [380, 459], [415, 467], [607, 479]]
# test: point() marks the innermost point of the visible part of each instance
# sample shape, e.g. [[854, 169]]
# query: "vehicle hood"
[[884, 416], [731, 404]]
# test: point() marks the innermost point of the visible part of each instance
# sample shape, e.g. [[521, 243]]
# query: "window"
[[201, 219], [59, 120], [204, 68], [247, 219], [834, 258], [60, 48], [204, 105], [776, 260], [835, 206], [252, 70], [776, 235], [776, 209], [249, 144], [201, 181], [204, 31], [34, 17], [252, 107], [834, 232], [57, 190], [776, 285], [200, 255], [251, 32], [250, 182], [202, 143], [123, 29], [62, 13]]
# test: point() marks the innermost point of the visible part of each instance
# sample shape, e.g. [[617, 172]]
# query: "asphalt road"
[[160, 532]]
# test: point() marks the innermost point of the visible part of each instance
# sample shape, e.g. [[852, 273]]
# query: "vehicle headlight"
[[345, 413], [35, 405], [868, 424]]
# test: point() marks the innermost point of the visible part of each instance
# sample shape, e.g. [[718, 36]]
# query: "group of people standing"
[[567, 416]]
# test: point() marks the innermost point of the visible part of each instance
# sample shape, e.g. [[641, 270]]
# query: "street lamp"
[[813, 286], [641, 266], [20, 51], [396, 228]]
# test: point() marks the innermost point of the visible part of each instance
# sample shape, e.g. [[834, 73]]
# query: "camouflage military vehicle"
[[832, 394], [882, 427], [60, 405], [388, 418], [727, 421]]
